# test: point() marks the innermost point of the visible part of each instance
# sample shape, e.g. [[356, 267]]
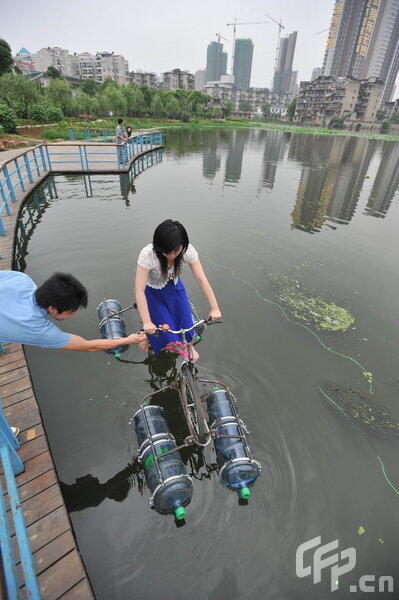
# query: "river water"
[[288, 213]]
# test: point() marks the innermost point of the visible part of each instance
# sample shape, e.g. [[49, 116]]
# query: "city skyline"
[[140, 42]]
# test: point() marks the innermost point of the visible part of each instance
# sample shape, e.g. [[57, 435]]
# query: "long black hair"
[[168, 236]]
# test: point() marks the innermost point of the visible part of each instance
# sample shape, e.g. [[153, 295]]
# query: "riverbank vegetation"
[[32, 108]]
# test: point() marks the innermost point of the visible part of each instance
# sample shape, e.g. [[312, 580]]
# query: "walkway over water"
[[59, 567]]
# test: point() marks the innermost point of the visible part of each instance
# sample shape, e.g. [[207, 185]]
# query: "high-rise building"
[[364, 41], [293, 83], [317, 71], [200, 79], [283, 73], [216, 61], [243, 52], [141, 78], [59, 58]]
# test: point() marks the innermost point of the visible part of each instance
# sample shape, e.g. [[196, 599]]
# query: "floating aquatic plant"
[[306, 306]]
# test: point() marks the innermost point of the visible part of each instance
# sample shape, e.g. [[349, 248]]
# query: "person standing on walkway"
[[25, 310], [121, 136]]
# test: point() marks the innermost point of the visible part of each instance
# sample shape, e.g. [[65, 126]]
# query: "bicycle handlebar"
[[205, 321]]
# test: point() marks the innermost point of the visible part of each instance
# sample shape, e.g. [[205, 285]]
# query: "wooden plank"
[[15, 386], [38, 506], [60, 577], [50, 554], [9, 348], [14, 375], [35, 486], [25, 414], [30, 434], [12, 366], [33, 448], [14, 398], [11, 357], [81, 591], [46, 529], [35, 467]]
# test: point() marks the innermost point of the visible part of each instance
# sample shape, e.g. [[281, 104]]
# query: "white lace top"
[[149, 260]]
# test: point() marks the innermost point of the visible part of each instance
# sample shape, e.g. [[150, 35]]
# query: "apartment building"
[[140, 78], [177, 79], [327, 97]]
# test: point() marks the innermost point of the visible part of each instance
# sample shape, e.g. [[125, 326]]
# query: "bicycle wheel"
[[194, 410]]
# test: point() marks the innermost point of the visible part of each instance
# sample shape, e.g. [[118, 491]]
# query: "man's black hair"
[[62, 291], [120, 121]]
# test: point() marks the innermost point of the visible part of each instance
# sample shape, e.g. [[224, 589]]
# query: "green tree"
[[291, 109], [6, 60], [395, 118], [116, 100], [89, 86], [172, 107], [58, 93], [245, 105], [53, 72], [8, 118], [18, 92], [147, 95], [158, 105], [229, 108], [384, 127], [265, 108], [380, 115], [336, 123]]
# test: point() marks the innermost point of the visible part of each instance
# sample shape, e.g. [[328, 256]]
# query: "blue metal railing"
[[12, 465], [24, 170]]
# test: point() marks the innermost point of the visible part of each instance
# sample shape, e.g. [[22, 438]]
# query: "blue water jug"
[[166, 475], [237, 468], [112, 325]]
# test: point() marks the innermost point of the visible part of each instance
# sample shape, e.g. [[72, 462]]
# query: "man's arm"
[[78, 343]]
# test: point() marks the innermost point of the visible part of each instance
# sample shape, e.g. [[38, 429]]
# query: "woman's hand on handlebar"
[[149, 328], [215, 315]]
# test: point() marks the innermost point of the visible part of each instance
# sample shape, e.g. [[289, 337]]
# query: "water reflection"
[[385, 183], [333, 170], [333, 173], [41, 198]]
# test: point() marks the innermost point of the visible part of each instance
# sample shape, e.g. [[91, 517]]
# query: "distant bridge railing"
[[21, 172], [95, 135]]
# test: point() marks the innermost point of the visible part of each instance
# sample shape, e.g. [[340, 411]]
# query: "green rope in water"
[[370, 442], [366, 373]]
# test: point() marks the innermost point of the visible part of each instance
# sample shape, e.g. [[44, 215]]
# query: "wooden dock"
[[59, 566]]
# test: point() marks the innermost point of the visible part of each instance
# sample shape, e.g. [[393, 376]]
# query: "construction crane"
[[220, 37], [322, 31], [280, 27], [234, 25]]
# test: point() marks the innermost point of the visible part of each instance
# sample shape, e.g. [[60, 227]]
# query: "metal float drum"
[[237, 469], [165, 473], [112, 324]]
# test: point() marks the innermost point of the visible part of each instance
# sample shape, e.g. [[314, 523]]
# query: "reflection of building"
[[216, 61], [234, 155], [283, 75], [363, 41], [243, 52], [210, 161], [385, 183], [331, 191], [275, 143]]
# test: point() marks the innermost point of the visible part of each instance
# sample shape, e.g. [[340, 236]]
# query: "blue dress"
[[170, 305]]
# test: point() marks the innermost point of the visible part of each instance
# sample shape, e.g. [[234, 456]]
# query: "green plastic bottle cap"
[[245, 493], [180, 512], [118, 355]]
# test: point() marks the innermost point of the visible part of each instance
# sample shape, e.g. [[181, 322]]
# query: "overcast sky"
[[159, 35]]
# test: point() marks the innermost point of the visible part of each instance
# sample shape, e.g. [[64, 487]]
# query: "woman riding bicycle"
[[160, 294]]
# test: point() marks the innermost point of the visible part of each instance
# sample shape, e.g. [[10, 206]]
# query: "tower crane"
[[220, 37], [234, 25], [280, 27]]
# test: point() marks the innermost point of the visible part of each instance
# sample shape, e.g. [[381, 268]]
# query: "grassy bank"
[[59, 131]]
